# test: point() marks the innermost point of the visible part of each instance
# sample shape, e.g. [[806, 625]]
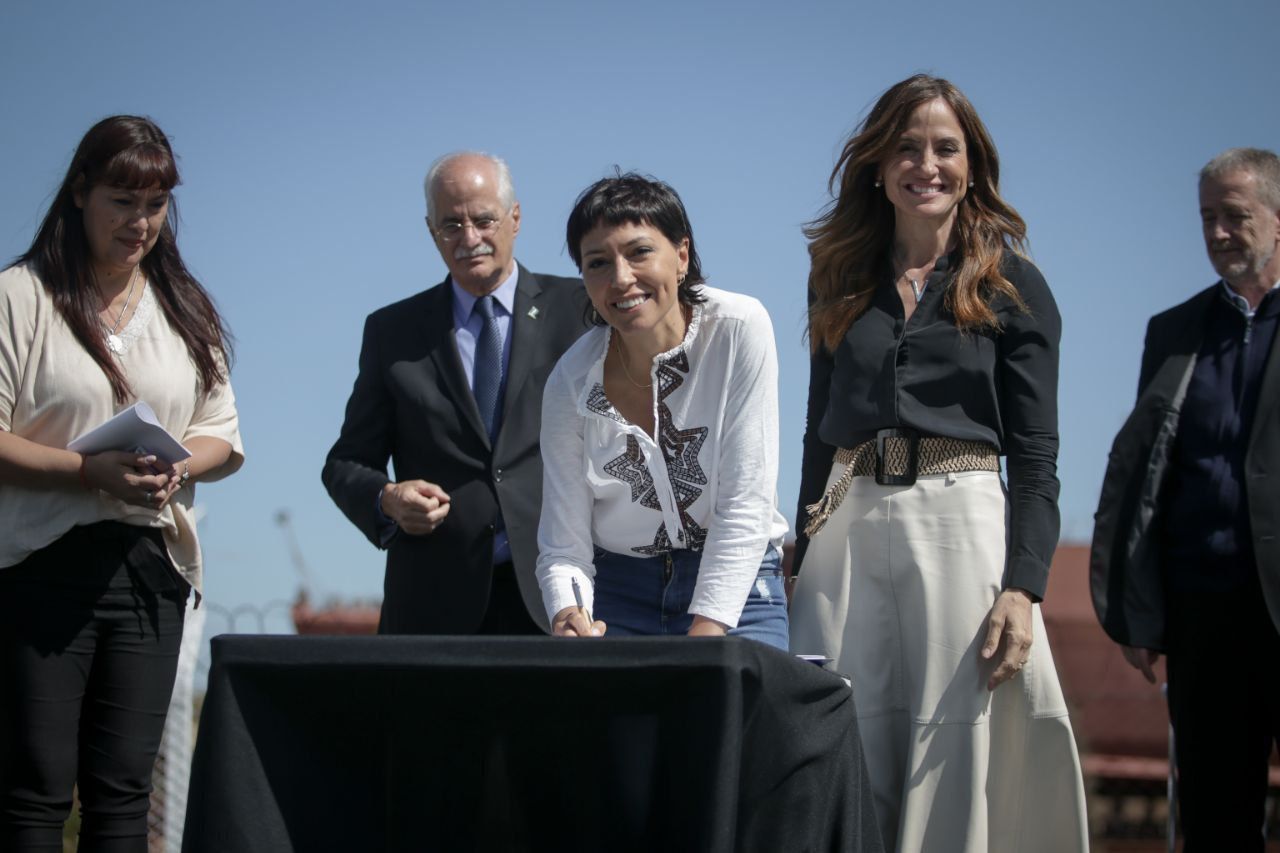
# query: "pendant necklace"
[[622, 360], [916, 289], [113, 340]]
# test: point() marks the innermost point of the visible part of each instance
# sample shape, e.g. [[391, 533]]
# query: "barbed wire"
[[231, 615], [245, 618]]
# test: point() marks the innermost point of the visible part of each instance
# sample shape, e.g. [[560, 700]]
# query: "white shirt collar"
[[1241, 304]]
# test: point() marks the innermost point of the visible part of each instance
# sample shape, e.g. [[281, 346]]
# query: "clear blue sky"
[[303, 130]]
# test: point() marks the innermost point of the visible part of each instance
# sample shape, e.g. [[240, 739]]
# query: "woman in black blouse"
[[934, 352]]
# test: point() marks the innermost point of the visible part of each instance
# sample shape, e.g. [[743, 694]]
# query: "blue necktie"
[[488, 367]]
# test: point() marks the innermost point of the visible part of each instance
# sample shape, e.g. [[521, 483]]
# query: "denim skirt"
[[650, 596]]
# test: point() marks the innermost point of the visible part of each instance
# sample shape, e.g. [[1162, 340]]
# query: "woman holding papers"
[[99, 551], [660, 438], [934, 352]]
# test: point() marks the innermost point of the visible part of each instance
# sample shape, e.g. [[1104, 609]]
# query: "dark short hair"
[[633, 198]]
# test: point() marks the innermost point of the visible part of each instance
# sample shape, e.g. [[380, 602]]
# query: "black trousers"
[[1224, 701], [506, 613], [90, 629]]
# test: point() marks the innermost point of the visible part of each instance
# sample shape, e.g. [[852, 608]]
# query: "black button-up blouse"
[[997, 386]]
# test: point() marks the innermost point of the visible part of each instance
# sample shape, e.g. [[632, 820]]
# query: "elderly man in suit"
[[1186, 550], [449, 390]]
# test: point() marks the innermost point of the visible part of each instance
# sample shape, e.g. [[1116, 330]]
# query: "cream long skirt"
[[896, 589]]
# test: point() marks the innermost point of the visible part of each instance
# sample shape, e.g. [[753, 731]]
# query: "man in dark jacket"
[[1186, 548], [450, 392]]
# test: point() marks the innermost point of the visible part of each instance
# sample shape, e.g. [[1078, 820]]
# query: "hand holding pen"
[[576, 621]]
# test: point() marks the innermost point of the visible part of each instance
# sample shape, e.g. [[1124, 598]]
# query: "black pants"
[[1224, 700], [90, 629], [506, 613]]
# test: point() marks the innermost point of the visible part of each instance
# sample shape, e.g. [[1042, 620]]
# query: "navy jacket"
[[1126, 575]]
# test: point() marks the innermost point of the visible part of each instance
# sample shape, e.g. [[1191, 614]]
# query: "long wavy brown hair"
[[129, 152], [850, 241]]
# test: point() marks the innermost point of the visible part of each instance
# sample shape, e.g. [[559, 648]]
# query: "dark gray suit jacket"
[[1126, 574], [411, 404]]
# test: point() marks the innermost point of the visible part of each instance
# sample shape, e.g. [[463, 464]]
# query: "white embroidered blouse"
[[709, 481]]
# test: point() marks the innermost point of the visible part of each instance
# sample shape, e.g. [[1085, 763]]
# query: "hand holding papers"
[[134, 429], [137, 480]]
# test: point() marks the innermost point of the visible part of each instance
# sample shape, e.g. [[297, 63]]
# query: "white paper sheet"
[[135, 428]]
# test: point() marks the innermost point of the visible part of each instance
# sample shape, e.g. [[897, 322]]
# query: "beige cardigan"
[[51, 391]]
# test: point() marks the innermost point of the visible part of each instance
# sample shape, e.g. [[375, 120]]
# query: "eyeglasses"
[[484, 226]]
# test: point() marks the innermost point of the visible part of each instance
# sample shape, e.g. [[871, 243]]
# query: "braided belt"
[[895, 457]]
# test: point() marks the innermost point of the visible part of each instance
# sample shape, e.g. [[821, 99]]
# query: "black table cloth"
[[462, 743]]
